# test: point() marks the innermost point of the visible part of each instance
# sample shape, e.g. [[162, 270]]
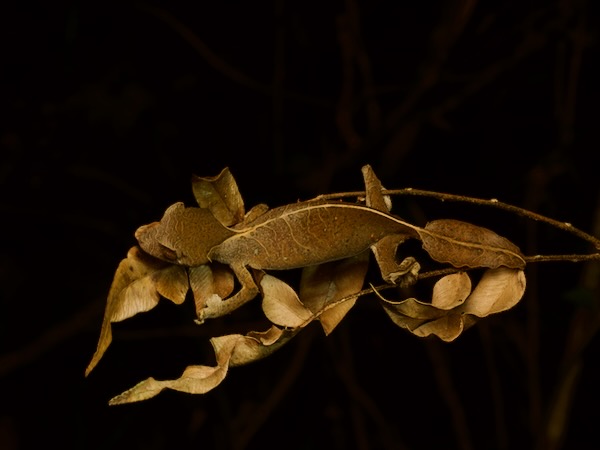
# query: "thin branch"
[[569, 258], [564, 226]]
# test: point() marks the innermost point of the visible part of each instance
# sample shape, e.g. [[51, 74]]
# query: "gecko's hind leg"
[[217, 307], [402, 273]]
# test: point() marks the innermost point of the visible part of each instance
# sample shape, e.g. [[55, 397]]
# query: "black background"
[[108, 108]]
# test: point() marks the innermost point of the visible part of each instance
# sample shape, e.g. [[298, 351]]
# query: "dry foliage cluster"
[[203, 250]]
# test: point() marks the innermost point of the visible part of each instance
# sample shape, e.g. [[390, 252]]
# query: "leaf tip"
[[142, 391], [89, 368]]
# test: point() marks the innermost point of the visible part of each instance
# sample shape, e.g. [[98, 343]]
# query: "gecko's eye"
[[167, 253]]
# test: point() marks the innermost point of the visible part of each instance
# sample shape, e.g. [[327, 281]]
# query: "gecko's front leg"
[[217, 307], [403, 274]]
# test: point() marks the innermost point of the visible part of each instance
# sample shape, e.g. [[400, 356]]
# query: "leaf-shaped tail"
[[466, 245]]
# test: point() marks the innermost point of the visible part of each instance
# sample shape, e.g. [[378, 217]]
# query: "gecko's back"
[[307, 233]]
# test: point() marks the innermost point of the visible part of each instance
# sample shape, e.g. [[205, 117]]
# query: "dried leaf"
[[447, 328], [281, 304], [231, 350], [259, 344], [451, 290], [138, 283], [498, 290], [454, 308], [327, 283], [221, 196], [466, 245]]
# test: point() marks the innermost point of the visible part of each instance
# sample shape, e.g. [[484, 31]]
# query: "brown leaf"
[[138, 283], [327, 283], [231, 350], [454, 308], [498, 290], [447, 328], [281, 304], [466, 245], [259, 344], [221, 196], [451, 290]]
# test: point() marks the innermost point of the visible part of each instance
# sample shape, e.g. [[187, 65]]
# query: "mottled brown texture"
[[305, 234], [183, 236], [466, 245]]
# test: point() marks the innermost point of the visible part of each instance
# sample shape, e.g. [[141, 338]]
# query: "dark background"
[[108, 108]]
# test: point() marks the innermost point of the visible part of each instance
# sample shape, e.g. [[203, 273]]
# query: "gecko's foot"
[[407, 273]]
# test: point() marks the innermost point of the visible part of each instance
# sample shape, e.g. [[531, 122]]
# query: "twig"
[[569, 258], [564, 226]]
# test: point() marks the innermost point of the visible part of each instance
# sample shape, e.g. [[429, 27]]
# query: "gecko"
[[288, 237]]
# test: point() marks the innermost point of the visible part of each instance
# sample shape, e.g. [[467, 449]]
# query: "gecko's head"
[[183, 236]]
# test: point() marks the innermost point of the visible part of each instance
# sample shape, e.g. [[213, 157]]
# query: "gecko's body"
[[287, 237]]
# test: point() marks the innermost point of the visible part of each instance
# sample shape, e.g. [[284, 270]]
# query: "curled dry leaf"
[[321, 286], [325, 284], [497, 291], [281, 304], [221, 196], [454, 307], [231, 350], [466, 245], [139, 282]]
